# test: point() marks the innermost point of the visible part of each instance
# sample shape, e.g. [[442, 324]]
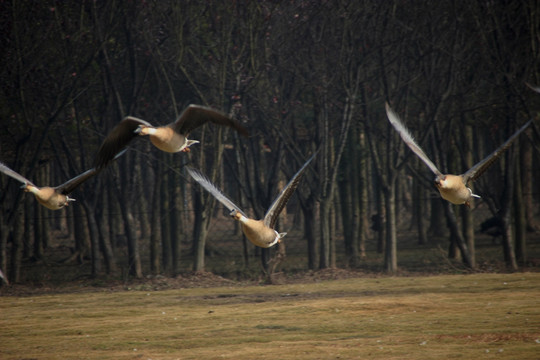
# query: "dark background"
[[301, 75]]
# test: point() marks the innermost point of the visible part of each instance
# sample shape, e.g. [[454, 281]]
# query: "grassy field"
[[478, 316]]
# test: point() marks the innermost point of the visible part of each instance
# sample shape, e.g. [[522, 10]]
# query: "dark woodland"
[[301, 76]]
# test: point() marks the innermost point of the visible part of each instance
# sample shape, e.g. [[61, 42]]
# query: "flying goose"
[[259, 232], [452, 187], [169, 138], [57, 197]]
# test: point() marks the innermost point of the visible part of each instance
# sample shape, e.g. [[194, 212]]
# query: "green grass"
[[478, 316]]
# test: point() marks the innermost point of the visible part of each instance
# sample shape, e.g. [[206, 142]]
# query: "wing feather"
[[70, 185], [117, 139], [477, 170], [281, 200], [6, 170], [195, 116], [212, 189], [409, 140]]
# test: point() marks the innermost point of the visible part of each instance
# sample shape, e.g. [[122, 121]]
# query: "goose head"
[[28, 187], [145, 130], [188, 144], [278, 238], [440, 181]]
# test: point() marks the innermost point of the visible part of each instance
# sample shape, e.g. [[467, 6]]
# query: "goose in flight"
[[259, 232], [169, 138], [452, 187], [53, 198]]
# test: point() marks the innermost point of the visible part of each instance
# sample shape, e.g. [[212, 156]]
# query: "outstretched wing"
[[478, 169], [212, 189], [409, 140], [13, 174], [279, 203], [196, 115], [70, 185], [117, 140]]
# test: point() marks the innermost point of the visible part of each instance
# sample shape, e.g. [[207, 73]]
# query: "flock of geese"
[[173, 138]]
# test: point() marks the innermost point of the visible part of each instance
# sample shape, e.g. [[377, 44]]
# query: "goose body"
[[170, 138], [452, 188], [166, 139], [259, 232]]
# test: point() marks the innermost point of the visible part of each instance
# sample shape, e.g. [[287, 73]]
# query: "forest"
[[302, 76]]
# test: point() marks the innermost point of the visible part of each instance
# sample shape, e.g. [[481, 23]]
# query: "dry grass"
[[480, 316]]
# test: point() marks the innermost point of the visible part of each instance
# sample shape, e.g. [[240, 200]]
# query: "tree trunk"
[[94, 240], [506, 211], [324, 223], [134, 258], [436, 222], [467, 216], [526, 156], [81, 238], [199, 233], [166, 243], [29, 229], [309, 211], [380, 222], [455, 234], [390, 255], [105, 239], [17, 248], [363, 201], [155, 230], [420, 211], [332, 234], [174, 221], [520, 218]]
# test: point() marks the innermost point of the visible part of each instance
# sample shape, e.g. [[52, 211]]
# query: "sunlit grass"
[[439, 317]]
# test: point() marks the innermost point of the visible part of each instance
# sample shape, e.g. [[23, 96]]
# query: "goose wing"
[[196, 115], [70, 185], [212, 189], [3, 277], [117, 139], [281, 200], [478, 169], [409, 140], [6, 170], [533, 88]]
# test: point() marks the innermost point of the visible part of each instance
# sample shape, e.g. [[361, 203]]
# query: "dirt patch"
[[199, 279]]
